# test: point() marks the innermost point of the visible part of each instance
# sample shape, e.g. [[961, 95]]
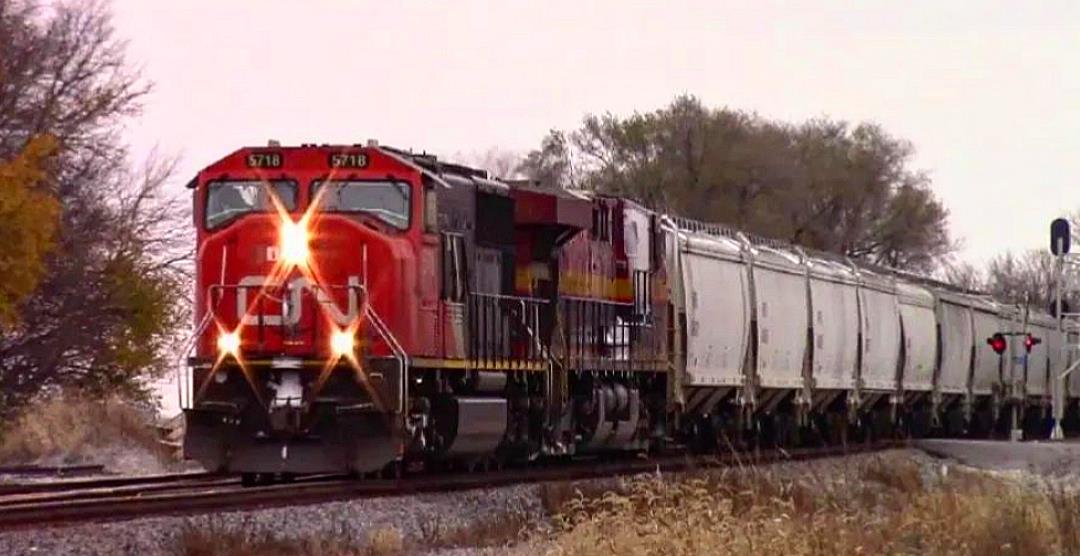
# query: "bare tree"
[[962, 274], [498, 163], [550, 165], [1024, 279], [113, 293]]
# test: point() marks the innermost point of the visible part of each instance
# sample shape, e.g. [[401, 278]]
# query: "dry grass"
[[73, 429], [889, 504], [883, 506], [215, 540], [498, 530]]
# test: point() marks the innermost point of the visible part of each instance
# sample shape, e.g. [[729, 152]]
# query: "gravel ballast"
[[418, 518], [413, 516]]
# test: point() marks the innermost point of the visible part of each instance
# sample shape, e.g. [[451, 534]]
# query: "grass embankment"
[[70, 429], [883, 505]]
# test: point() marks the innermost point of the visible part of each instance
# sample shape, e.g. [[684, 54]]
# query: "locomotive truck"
[[359, 307]]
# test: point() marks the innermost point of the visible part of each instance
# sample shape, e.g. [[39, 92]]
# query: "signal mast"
[[1060, 241]]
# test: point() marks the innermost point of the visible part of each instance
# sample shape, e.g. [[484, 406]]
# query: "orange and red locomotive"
[[360, 306]]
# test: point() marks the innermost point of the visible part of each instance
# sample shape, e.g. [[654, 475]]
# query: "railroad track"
[[188, 494], [147, 481]]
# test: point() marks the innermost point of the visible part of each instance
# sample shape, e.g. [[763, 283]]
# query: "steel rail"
[[205, 498], [10, 489], [59, 470], [96, 492]]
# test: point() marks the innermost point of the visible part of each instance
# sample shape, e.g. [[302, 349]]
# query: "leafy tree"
[[111, 295], [28, 221], [823, 184]]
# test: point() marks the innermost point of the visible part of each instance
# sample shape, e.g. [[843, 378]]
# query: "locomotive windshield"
[[228, 200], [384, 199]]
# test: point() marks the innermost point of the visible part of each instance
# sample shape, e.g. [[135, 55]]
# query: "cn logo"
[[292, 305]]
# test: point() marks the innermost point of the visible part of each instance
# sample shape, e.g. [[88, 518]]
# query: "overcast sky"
[[989, 93]]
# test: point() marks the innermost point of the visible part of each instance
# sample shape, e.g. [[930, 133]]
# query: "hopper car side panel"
[[1012, 361], [1067, 359], [986, 375], [1055, 361], [920, 347], [782, 326], [1037, 362], [836, 327], [881, 339], [957, 340], [717, 314]]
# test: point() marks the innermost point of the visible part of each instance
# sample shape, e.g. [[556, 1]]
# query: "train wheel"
[[249, 479]]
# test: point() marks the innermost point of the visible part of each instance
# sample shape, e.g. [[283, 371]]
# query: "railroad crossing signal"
[[997, 342], [1030, 342]]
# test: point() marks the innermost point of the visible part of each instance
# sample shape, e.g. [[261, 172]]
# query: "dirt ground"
[[1045, 458]]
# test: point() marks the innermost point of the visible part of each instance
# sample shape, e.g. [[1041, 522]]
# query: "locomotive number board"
[[264, 160], [347, 160]]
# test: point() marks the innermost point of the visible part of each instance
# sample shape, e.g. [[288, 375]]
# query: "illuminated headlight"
[[229, 343], [294, 243], [341, 343]]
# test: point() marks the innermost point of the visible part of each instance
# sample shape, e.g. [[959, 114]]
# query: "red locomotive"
[[358, 306]]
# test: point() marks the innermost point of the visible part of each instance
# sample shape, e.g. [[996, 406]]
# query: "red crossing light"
[[997, 343], [1030, 342]]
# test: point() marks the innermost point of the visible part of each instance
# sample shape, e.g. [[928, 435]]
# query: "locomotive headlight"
[[228, 343], [342, 343], [294, 242]]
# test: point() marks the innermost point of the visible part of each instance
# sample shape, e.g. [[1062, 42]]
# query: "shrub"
[[72, 429]]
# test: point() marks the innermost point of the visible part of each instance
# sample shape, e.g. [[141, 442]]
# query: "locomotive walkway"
[[35, 505]]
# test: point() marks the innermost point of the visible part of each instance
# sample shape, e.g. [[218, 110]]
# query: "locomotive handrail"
[[596, 300], [399, 353], [537, 300], [484, 308]]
